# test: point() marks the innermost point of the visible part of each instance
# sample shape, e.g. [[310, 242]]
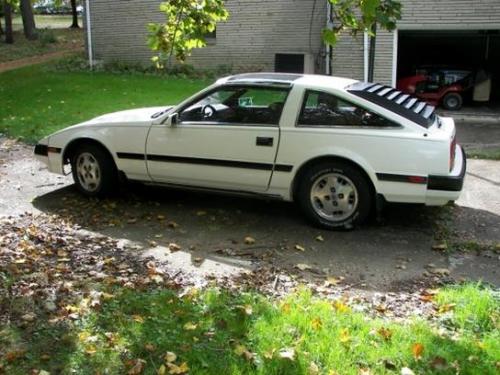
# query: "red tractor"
[[444, 87]]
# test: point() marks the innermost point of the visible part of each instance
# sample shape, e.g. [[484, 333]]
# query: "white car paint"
[[409, 149]]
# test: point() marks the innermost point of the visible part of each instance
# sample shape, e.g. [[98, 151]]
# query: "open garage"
[[477, 51]]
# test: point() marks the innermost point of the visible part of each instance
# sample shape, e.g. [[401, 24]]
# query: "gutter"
[[89, 34]]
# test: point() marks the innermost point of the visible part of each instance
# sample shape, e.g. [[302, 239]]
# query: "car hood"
[[131, 116]]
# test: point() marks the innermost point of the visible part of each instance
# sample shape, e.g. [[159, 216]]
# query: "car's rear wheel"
[[94, 171], [335, 195], [452, 101]]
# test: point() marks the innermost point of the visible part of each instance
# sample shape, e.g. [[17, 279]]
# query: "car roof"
[[308, 80]]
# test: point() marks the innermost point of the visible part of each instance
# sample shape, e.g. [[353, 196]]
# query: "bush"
[[78, 63], [47, 36]]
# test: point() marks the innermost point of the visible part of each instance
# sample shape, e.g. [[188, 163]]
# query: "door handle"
[[265, 141]]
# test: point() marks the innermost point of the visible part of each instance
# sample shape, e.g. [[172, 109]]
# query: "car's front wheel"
[[94, 171], [335, 195]]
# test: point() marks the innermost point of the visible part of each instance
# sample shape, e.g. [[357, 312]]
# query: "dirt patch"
[[37, 59]]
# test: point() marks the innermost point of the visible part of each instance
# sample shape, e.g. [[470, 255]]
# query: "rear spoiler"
[[395, 101]]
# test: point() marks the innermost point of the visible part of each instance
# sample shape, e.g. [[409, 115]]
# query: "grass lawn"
[[485, 153], [47, 21], [37, 101], [216, 332]]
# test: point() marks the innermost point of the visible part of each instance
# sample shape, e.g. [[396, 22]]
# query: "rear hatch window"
[[395, 101]]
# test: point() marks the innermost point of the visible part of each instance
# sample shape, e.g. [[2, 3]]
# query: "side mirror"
[[172, 119]]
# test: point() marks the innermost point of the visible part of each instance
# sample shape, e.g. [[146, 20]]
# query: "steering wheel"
[[208, 111]]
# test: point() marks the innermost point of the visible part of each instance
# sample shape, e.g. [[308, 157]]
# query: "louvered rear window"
[[395, 101]]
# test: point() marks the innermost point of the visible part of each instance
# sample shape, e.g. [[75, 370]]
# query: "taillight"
[[453, 146]]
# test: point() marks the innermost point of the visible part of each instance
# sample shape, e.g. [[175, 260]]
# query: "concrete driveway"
[[210, 230]]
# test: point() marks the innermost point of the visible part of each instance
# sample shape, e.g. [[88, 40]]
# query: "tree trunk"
[[28, 20], [74, 25], [7, 9], [1, 28]]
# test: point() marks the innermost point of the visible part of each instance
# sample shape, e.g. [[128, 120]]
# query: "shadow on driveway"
[[211, 229]]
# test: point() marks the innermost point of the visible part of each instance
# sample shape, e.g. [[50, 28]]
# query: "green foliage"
[[186, 25], [354, 16], [47, 36]]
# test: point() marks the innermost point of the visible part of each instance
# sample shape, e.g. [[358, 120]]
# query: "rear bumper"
[[442, 189], [449, 183]]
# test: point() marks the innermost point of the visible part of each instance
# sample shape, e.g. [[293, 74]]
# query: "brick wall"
[[249, 40]]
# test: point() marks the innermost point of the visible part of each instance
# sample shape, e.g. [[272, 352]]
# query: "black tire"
[[108, 174], [362, 189], [452, 101]]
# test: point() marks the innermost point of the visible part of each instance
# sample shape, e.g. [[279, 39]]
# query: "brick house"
[[285, 35]]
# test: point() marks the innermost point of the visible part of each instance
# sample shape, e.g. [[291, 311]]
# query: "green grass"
[[37, 101], [485, 153], [44, 20], [217, 332]]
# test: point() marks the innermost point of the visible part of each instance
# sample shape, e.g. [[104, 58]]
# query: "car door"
[[226, 139]]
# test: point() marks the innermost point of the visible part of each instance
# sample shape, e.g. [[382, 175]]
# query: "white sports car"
[[336, 146]]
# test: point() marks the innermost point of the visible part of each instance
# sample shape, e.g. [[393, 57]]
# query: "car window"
[[323, 109], [238, 105]]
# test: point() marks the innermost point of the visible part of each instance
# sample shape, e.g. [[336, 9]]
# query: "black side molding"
[[449, 183], [42, 150], [203, 161]]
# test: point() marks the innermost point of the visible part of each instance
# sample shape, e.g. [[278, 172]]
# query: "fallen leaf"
[[313, 369], [417, 350], [344, 337], [249, 240], [269, 354], [242, 351], [439, 363], [13, 355], [137, 368], [340, 306], [201, 213], [440, 271], [286, 307], [150, 347], [446, 307], [173, 225], [316, 323], [303, 266], [170, 357], [174, 247], [174, 369], [287, 353], [138, 318], [320, 238], [160, 217], [440, 247], [407, 371], [330, 280], [385, 333], [300, 248], [91, 350], [162, 370], [189, 326], [364, 371]]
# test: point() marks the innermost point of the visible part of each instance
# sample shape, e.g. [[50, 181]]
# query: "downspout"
[[328, 48], [89, 34], [365, 56]]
